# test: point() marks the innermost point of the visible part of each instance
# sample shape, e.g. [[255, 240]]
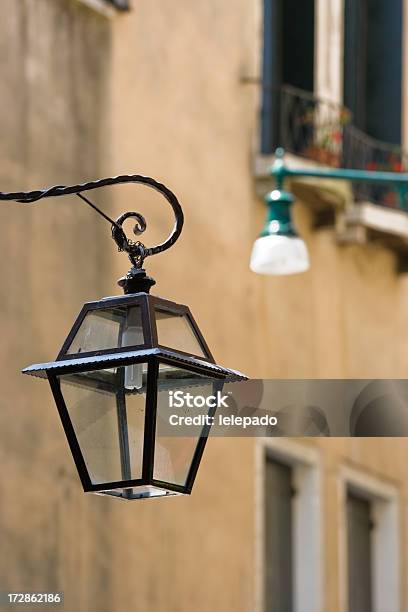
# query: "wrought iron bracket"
[[136, 279]]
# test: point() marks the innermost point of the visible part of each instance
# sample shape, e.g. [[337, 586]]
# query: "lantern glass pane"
[[108, 328], [107, 411], [174, 330], [175, 445]]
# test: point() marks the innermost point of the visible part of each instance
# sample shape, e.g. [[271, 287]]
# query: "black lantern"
[[112, 378]]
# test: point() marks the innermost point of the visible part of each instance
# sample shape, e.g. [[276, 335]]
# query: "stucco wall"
[[157, 91], [55, 74], [194, 126]]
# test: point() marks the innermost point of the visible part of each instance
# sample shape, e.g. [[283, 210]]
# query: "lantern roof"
[[130, 328], [65, 366]]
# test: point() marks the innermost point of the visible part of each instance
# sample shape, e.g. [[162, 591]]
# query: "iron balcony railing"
[[323, 131]]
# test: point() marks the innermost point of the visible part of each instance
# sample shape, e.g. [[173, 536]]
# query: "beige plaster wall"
[[158, 92], [55, 67], [194, 126]]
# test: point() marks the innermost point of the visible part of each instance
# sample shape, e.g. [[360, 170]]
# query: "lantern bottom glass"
[[142, 492]]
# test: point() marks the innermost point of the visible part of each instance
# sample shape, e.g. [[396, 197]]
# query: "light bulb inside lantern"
[[132, 335]]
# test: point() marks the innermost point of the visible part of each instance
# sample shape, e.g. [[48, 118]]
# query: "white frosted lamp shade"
[[276, 254]]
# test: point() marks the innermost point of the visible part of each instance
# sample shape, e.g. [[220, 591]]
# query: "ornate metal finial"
[[136, 279], [136, 250]]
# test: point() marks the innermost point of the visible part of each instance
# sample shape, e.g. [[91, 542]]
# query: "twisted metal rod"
[[136, 251]]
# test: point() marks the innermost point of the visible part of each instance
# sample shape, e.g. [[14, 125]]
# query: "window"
[[288, 59], [278, 536], [370, 551], [359, 546], [373, 66], [290, 528], [119, 4]]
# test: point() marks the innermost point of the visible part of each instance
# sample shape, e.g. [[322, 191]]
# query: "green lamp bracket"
[[397, 180]]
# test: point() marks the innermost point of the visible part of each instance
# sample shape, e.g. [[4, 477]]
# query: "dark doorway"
[[373, 66], [288, 59]]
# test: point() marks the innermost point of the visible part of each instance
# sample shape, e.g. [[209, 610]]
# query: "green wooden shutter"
[[278, 537], [373, 66], [288, 59], [359, 528]]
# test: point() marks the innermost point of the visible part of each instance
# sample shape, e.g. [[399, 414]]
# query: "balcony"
[[323, 132], [315, 131]]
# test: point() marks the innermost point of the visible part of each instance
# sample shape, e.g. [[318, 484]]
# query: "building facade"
[[174, 91]]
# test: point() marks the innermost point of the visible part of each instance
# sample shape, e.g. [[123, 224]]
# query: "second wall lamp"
[[279, 250]]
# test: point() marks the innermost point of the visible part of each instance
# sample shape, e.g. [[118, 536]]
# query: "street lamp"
[[279, 249], [112, 378]]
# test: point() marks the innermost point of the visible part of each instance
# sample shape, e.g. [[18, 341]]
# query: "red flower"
[[390, 198], [371, 166]]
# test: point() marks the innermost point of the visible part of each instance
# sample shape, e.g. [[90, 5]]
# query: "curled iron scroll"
[[136, 251]]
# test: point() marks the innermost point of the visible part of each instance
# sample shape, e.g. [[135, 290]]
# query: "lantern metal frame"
[[148, 304], [136, 285], [152, 354], [153, 358]]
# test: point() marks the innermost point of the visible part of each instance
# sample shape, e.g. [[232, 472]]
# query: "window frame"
[[308, 525], [386, 549]]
